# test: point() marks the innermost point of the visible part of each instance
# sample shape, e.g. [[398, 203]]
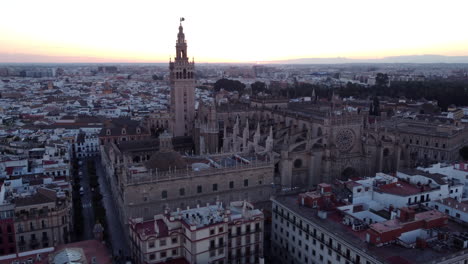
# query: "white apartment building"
[[299, 235], [306, 234], [211, 234], [87, 144], [457, 171], [458, 211], [405, 189]]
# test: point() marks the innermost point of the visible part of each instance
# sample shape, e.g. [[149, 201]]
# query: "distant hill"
[[394, 59]]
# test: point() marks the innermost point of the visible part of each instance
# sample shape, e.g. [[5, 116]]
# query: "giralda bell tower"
[[182, 80]]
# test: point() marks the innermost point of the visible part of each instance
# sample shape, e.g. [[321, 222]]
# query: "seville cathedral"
[[250, 151]]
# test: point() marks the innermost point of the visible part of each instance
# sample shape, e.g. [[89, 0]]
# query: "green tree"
[[381, 79], [229, 85], [258, 87]]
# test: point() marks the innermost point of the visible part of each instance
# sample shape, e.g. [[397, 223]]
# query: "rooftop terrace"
[[391, 253]]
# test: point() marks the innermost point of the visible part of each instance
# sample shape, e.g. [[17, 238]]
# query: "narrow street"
[[88, 213], [118, 238]]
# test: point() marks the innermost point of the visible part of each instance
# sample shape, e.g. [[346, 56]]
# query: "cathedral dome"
[[164, 161]]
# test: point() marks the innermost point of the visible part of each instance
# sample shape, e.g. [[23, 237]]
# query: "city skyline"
[[106, 31]]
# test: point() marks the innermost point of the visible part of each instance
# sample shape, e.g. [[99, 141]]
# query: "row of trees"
[[229, 85], [446, 92], [292, 91]]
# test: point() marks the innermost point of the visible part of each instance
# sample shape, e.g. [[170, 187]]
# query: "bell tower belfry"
[[182, 80]]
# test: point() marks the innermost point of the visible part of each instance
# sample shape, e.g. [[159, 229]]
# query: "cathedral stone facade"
[[237, 152], [321, 141], [183, 167]]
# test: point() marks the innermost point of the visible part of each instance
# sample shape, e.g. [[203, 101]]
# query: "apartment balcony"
[[236, 234], [212, 247], [248, 232]]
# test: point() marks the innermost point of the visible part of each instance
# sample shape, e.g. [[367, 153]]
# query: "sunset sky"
[[229, 31]]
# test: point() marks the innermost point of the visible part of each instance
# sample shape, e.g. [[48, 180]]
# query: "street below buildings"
[[117, 234], [86, 202]]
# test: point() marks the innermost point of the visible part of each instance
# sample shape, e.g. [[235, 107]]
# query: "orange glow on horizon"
[[248, 31]]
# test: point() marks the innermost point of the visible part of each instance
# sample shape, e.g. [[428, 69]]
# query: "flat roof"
[[401, 188], [333, 225]]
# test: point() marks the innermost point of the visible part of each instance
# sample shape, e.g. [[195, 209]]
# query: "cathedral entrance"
[[348, 173]]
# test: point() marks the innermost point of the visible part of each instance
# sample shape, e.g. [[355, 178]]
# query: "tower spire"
[[182, 88]]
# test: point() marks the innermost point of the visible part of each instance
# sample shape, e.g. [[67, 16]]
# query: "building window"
[[162, 242], [152, 256], [215, 187], [231, 185], [199, 189], [246, 182], [182, 191], [174, 252], [151, 244], [174, 240], [163, 254], [164, 194]]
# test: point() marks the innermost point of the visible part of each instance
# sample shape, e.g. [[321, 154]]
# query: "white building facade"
[[211, 234]]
